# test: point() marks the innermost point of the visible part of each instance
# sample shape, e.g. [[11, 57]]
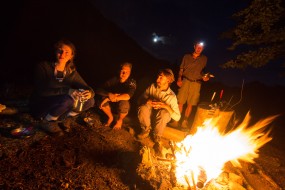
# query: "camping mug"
[[79, 102]]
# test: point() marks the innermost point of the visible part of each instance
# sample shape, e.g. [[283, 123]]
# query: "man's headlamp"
[[201, 43]]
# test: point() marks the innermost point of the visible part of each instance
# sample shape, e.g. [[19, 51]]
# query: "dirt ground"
[[96, 157], [84, 158]]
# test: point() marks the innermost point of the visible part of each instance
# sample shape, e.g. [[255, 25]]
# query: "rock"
[[235, 178], [223, 178], [2, 107], [235, 186], [7, 110]]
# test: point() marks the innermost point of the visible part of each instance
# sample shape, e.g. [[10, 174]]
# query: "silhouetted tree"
[[259, 35]]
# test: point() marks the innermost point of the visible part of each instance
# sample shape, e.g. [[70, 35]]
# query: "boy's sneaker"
[[72, 114]]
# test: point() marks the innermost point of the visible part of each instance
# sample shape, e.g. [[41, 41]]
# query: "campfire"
[[198, 160]]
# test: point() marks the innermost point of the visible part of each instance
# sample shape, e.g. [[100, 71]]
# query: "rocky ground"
[[96, 157]]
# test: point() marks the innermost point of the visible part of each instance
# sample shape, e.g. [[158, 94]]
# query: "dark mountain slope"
[[34, 26]]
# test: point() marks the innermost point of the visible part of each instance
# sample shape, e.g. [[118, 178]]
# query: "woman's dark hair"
[[128, 64], [70, 64]]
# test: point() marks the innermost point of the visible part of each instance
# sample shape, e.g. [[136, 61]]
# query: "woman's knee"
[[89, 103], [67, 101], [124, 106]]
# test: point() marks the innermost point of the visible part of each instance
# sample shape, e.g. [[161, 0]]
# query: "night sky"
[[178, 24]]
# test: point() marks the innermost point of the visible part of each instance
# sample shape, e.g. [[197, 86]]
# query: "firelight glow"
[[209, 150]]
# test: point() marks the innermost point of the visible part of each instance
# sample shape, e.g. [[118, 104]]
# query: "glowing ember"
[[201, 157]]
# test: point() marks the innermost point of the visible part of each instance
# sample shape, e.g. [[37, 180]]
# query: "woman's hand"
[[74, 93], [85, 95]]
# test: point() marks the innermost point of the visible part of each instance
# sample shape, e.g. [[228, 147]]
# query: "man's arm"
[[181, 70], [179, 78], [180, 74], [122, 97], [172, 109], [143, 98], [132, 85]]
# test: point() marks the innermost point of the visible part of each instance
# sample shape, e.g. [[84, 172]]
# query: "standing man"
[[157, 106], [117, 92], [189, 80]]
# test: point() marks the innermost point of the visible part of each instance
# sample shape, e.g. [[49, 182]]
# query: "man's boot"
[[185, 124], [174, 124], [144, 133], [158, 146]]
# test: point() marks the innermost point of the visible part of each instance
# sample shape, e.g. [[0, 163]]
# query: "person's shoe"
[[144, 134], [174, 124], [65, 125], [52, 128], [157, 147], [89, 121], [72, 114]]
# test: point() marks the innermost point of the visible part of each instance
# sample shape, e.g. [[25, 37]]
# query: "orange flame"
[[208, 150]]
